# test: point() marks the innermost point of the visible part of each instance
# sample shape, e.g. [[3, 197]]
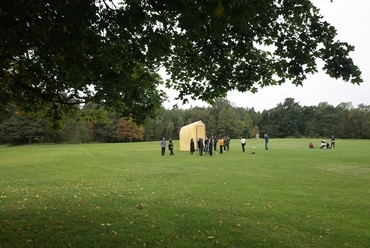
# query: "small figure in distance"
[[200, 146], [163, 146], [206, 147], [243, 142], [311, 145], [192, 146], [221, 142], [323, 144], [332, 141], [210, 144], [170, 147], [215, 140], [266, 137]]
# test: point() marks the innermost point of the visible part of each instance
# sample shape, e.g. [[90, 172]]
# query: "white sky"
[[351, 18]]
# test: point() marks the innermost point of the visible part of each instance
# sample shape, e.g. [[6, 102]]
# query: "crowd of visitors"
[[209, 145]]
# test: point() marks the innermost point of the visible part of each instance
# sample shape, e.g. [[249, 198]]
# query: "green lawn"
[[128, 195]]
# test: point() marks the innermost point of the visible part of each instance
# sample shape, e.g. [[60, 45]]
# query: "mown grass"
[[128, 195]]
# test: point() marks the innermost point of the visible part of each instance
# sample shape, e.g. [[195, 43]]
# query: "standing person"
[[221, 142], [200, 146], [210, 144], [243, 142], [170, 147], [332, 145], [163, 146], [266, 141], [206, 142], [192, 146], [215, 140], [228, 143], [225, 143]]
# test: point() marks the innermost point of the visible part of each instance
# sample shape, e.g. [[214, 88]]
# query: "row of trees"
[[287, 119]]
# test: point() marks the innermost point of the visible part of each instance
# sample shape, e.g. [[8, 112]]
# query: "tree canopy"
[[56, 55]]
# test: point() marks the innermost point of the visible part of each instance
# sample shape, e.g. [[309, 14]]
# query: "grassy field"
[[128, 195]]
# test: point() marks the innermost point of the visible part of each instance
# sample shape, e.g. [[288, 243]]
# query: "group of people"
[[324, 144], [205, 146], [208, 146], [170, 147]]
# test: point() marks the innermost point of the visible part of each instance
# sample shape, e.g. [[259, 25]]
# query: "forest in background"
[[287, 119]]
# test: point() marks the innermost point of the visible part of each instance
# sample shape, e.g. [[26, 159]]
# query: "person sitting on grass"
[[311, 145], [323, 144]]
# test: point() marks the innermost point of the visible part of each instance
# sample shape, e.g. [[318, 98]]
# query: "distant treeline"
[[288, 119]]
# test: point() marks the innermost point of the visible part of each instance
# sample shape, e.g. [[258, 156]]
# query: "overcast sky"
[[351, 18]]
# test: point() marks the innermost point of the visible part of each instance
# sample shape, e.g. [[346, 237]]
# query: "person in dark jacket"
[[200, 146], [266, 137], [210, 144], [332, 139], [192, 146], [215, 140], [170, 147], [206, 147], [228, 143]]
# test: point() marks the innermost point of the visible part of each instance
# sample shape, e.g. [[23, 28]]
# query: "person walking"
[[243, 142], [170, 147], [266, 137], [163, 146], [192, 146]]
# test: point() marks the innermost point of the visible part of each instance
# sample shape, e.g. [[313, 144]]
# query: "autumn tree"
[[129, 131], [254, 131], [56, 55]]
